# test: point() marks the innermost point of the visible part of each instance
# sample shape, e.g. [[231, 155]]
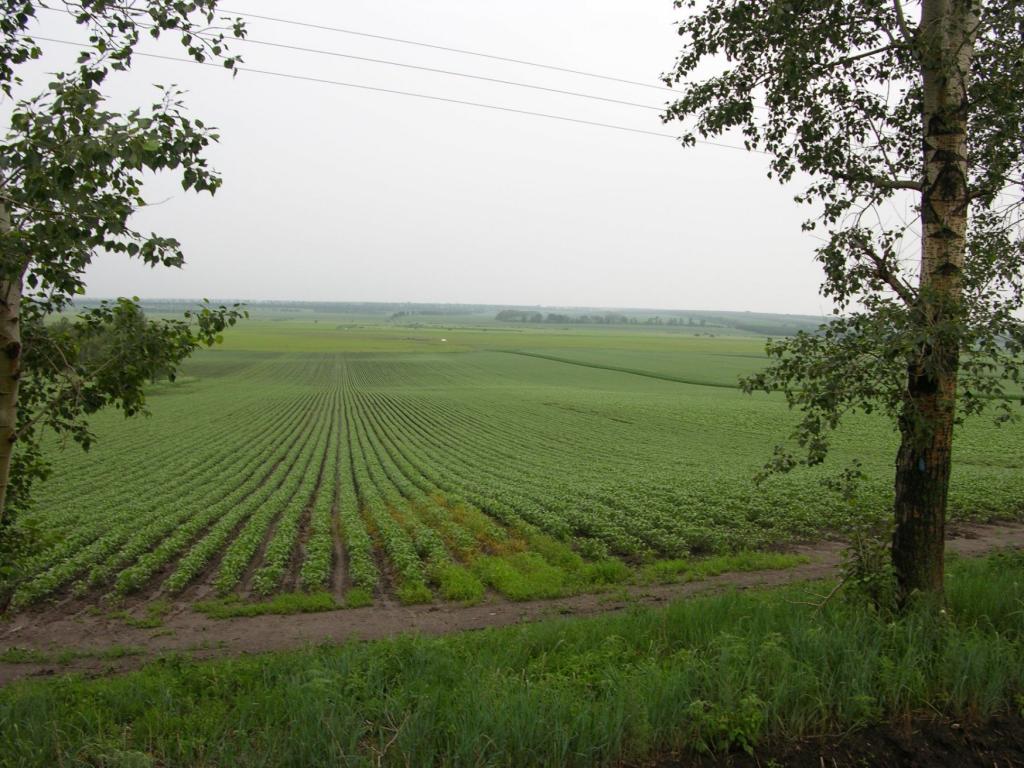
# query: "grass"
[[528, 576], [605, 572], [358, 598], [153, 618], [459, 584], [710, 674], [291, 602], [414, 593], [522, 576], [683, 570], [17, 655], [106, 654]]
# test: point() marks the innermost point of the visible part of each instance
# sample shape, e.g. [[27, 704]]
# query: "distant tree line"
[[606, 318], [425, 310], [753, 323]]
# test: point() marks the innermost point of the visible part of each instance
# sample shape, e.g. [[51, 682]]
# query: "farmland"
[[451, 461]]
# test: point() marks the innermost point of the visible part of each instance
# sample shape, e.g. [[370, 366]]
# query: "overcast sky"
[[334, 193]]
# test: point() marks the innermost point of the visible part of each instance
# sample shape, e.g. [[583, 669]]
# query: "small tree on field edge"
[[71, 174]]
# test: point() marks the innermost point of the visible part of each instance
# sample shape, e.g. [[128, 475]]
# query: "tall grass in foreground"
[[705, 674]]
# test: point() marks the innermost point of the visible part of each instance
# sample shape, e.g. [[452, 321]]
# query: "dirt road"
[[90, 637]]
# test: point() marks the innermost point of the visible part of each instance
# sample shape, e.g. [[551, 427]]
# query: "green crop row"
[[281, 546]]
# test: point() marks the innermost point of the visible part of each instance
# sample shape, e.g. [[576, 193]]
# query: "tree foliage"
[[71, 178], [887, 107]]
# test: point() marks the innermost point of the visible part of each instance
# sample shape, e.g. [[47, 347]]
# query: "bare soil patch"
[[86, 631]]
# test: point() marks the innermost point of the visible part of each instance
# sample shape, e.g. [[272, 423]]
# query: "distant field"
[[390, 463]]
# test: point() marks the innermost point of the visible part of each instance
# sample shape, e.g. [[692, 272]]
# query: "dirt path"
[[91, 637]]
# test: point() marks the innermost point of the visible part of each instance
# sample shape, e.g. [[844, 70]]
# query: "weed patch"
[[294, 602]]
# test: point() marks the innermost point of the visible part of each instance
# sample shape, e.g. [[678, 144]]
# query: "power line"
[[496, 107], [451, 73], [353, 57], [463, 51], [325, 81], [342, 30], [443, 71]]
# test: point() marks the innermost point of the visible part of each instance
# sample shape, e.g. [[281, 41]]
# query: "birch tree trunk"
[[10, 366], [947, 33]]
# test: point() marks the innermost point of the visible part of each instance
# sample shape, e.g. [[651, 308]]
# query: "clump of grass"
[[110, 653], [120, 652], [522, 576], [683, 570], [605, 572], [458, 583], [553, 551], [232, 606], [357, 597], [106, 654], [414, 593], [154, 615], [17, 655]]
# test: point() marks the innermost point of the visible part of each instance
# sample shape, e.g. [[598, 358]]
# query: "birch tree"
[[884, 104]]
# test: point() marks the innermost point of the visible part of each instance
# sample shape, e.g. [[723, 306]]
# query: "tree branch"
[[976, 192], [864, 55], [910, 184], [887, 276], [883, 182], [901, 20]]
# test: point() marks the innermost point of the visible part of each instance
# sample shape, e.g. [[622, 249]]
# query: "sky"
[[340, 194]]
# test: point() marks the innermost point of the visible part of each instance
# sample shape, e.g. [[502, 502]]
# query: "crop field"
[[383, 464]]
